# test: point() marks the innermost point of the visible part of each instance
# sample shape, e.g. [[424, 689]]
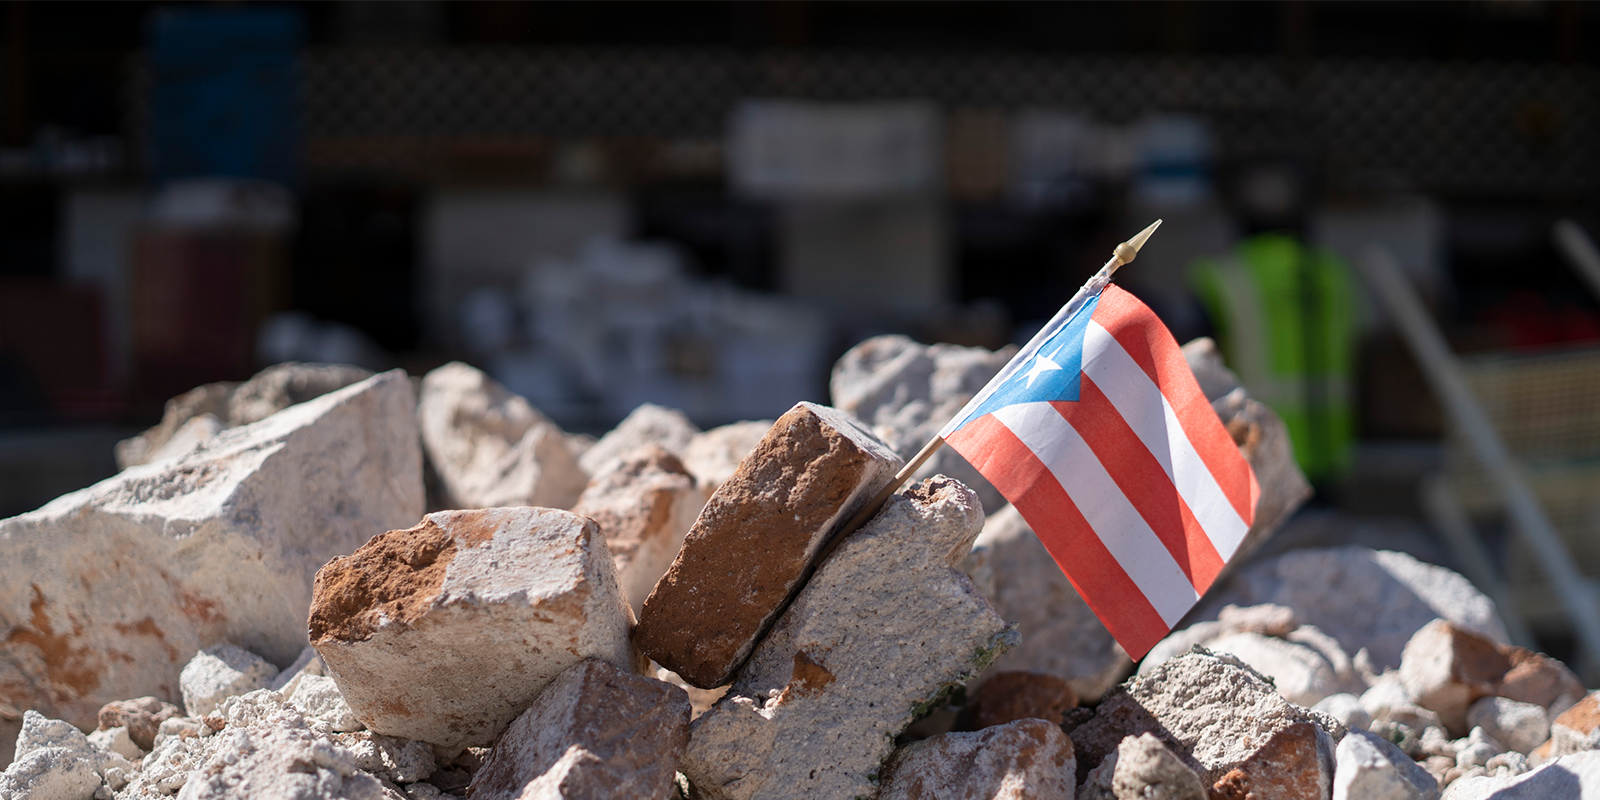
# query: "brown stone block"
[[754, 543]]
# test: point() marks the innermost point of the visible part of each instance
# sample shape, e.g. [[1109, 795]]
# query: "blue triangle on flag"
[[1054, 373]]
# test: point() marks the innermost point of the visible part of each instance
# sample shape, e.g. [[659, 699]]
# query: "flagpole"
[[1121, 256]]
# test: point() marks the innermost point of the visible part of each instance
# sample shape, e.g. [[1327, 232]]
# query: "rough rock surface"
[[1009, 696], [1142, 768], [1569, 777], [221, 671], [390, 758], [230, 404], [666, 428], [713, 456], [1304, 663], [490, 447], [1028, 759], [907, 391], [595, 731], [41, 733], [1262, 439], [1371, 768], [1577, 729], [318, 698], [1300, 673], [1364, 598], [1519, 726], [444, 632], [884, 628], [1060, 635], [1446, 668], [108, 591], [1224, 720], [756, 540], [254, 746], [49, 773], [645, 501]]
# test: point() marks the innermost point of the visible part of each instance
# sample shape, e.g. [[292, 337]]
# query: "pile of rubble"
[[662, 613]]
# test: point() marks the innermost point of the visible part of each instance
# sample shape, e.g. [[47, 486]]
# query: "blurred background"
[[703, 204]]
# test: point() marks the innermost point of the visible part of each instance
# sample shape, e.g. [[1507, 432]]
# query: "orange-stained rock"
[[1446, 668], [754, 544], [645, 502], [1009, 696], [142, 717], [1224, 721], [1028, 759], [445, 631], [594, 732]]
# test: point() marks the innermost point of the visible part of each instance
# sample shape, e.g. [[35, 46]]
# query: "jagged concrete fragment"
[[666, 428], [879, 634], [107, 592], [907, 391], [219, 672], [594, 732], [318, 697], [117, 740], [1519, 726], [388, 757], [265, 750], [1304, 663], [756, 539], [1262, 438], [1447, 667], [1009, 696], [1575, 730], [41, 733], [1028, 759], [1372, 768], [1300, 673], [713, 456], [228, 404], [1224, 720], [1575, 776], [490, 447], [444, 632], [1060, 635], [1145, 769], [49, 773], [645, 501], [1364, 598]]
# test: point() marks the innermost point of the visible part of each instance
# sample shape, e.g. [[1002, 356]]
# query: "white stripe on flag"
[[1109, 512], [1142, 405]]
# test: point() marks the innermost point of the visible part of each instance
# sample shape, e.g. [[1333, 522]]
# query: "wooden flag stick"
[[1124, 254]]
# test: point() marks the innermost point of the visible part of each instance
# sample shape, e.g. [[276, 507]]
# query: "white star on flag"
[[1041, 365]]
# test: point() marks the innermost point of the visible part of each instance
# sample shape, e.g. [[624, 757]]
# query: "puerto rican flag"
[[1098, 433]]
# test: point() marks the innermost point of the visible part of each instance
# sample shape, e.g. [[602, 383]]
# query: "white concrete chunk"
[[444, 632], [490, 447], [1371, 768], [219, 672], [884, 627], [110, 590]]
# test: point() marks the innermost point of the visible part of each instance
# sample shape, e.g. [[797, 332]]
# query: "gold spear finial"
[[1129, 250]]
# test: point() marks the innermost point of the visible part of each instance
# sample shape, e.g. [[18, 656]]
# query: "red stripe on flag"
[[1143, 481], [1024, 480], [1142, 335]]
